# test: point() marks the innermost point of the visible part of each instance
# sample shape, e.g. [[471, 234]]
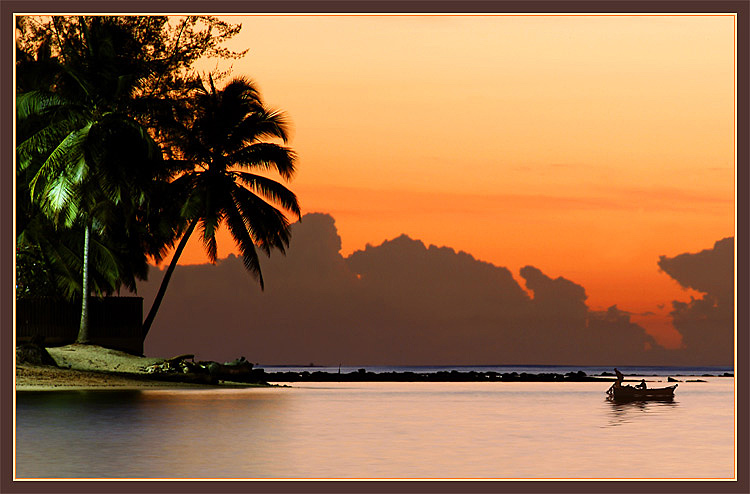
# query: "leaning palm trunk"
[[83, 330], [165, 281], [221, 143]]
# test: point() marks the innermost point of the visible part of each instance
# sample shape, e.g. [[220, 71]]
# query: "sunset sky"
[[587, 146]]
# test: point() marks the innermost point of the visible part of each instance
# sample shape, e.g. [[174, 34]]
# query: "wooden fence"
[[114, 322]]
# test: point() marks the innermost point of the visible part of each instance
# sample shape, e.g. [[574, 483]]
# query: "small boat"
[[630, 393]]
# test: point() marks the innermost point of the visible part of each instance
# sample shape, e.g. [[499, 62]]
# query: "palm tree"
[[49, 262], [220, 146], [87, 158], [49, 258]]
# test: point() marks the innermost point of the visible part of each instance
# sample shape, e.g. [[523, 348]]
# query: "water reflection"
[[148, 433], [74, 397], [623, 412], [375, 430]]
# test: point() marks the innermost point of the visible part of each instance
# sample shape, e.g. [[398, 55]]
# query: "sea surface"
[[422, 430]]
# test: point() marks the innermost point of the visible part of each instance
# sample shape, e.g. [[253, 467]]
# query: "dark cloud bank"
[[405, 303], [707, 323]]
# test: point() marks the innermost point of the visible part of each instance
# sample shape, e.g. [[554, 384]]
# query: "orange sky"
[[586, 146]]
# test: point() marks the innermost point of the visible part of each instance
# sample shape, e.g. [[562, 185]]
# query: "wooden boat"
[[630, 393]]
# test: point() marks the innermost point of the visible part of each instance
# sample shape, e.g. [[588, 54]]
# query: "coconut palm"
[[87, 159], [49, 258], [222, 147]]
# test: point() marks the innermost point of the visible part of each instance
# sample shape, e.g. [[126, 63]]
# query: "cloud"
[[401, 302], [710, 271], [613, 333], [707, 323]]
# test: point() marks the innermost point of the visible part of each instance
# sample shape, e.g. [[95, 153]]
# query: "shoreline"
[[91, 367], [48, 378]]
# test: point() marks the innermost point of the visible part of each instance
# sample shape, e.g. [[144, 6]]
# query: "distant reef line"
[[363, 375]]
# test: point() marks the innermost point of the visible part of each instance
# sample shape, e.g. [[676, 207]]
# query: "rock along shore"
[[89, 366]]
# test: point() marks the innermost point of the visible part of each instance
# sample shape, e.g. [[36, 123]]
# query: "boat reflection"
[[624, 411]]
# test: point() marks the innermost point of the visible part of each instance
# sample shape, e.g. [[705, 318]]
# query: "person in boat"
[[620, 377], [642, 384]]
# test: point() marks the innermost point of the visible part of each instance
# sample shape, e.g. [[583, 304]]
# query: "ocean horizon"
[[657, 371]]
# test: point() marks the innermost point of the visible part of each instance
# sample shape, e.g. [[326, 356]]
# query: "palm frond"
[[41, 142], [267, 156], [268, 226], [75, 114], [244, 241], [58, 194], [214, 189], [66, 265], [67, 154], [271, 190], [263, 123], [192, 207], [70, 287], [241, 88], [37, 103], [103, 216], [105, 262], [208, 228]]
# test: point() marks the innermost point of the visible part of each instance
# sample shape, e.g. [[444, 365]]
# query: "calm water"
[[377, 430]]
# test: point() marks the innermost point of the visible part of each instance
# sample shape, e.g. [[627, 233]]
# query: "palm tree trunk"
[[83, 329], [165, 281]]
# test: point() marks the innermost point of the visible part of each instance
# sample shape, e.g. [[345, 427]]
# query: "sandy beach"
[[94, 367], [47, 378]]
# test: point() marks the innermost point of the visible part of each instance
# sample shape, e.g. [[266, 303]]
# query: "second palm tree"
[[222, 147]]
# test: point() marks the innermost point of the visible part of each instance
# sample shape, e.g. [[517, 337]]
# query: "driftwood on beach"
[[183, 368]]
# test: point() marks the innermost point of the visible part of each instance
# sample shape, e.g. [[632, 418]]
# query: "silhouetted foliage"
[[221, 143], [33, 273], [90, 92], [123, 149]]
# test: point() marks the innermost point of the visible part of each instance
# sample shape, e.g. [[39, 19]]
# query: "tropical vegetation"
[[220, 146], [123, 149]]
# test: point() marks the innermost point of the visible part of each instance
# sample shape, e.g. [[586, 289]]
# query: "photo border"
[[742, 253]]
